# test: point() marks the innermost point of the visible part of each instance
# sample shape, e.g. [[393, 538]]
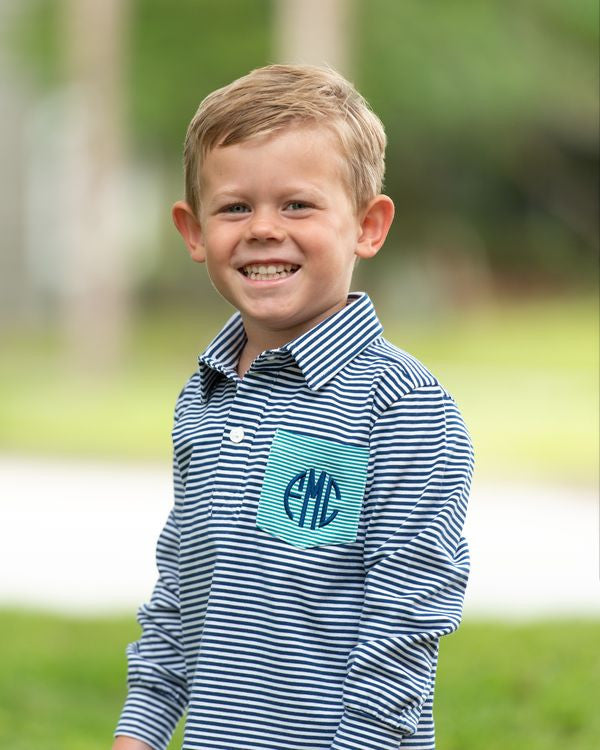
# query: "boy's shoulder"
[[395, 372]]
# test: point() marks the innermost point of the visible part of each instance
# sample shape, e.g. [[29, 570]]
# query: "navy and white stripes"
[[279, 636]]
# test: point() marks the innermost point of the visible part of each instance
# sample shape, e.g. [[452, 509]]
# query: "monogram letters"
[[295, 490]]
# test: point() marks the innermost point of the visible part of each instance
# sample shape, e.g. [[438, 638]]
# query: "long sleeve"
[[156, 679], [416, 567]]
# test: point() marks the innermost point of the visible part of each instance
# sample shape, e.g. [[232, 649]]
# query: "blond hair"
[[276, 96]]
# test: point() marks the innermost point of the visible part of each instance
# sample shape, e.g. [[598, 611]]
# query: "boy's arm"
[[416, 566], [156, 677]]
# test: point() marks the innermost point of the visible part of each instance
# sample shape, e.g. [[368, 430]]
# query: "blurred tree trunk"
[[315, 32], [14, 95], [95, 304]]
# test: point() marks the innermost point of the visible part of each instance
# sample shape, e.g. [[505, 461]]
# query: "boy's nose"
[[264, 226]]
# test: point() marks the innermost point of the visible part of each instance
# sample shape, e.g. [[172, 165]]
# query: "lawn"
[[529, 686], [524, 375]]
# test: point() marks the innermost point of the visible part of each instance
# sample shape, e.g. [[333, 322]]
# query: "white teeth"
[[258, 272]]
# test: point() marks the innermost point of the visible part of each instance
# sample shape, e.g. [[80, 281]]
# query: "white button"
[[270, 358], [236, 434]]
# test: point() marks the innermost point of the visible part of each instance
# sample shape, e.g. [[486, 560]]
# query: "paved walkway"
[[80, 536]]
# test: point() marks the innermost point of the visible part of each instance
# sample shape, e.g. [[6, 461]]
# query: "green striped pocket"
[[313, 490]]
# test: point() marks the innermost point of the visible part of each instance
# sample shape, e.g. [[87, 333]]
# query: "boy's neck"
[[259, 339]]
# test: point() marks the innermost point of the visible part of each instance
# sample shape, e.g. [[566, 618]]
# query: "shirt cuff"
[[362, 731], [148, 717]]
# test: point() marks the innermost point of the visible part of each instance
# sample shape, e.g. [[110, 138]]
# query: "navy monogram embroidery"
[[314, 489]]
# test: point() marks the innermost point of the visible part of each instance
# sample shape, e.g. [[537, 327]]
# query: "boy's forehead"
[[311, 134], [318, 141]]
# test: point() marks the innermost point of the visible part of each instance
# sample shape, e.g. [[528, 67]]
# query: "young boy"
[[313, 556]]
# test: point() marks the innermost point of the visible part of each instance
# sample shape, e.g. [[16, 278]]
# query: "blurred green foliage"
[[179, 53], [525, 686], [492, 115], [491, 111]]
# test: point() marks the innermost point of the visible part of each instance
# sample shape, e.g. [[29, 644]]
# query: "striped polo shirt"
[[313, 556]]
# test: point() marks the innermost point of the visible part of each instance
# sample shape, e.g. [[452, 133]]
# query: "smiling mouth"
[[268, 271]]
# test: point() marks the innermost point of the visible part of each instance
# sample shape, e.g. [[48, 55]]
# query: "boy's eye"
[[297, 205], [235, 208]]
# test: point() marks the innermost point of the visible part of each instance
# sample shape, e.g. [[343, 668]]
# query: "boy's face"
[[278, 230]]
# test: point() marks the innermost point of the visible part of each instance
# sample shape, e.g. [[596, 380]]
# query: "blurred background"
[[489, 276]]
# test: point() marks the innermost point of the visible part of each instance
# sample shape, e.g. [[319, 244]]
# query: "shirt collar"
[[320, 353], [222, 354], [328, 347]]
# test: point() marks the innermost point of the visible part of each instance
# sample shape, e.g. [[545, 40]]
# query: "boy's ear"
[[190, 229], [375, 223]]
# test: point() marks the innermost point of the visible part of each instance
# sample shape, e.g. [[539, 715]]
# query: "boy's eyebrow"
[[307, 189], [226, 194], [287, 191]]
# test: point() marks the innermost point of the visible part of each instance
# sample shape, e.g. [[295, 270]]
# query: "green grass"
[[526, 686], [519, 686], [62, 680], [524, 375]]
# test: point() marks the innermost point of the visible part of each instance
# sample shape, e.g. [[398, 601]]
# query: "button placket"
[[236, 434], [245, 415]]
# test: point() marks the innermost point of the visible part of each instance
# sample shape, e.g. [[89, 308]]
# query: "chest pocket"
[[312, 491]]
